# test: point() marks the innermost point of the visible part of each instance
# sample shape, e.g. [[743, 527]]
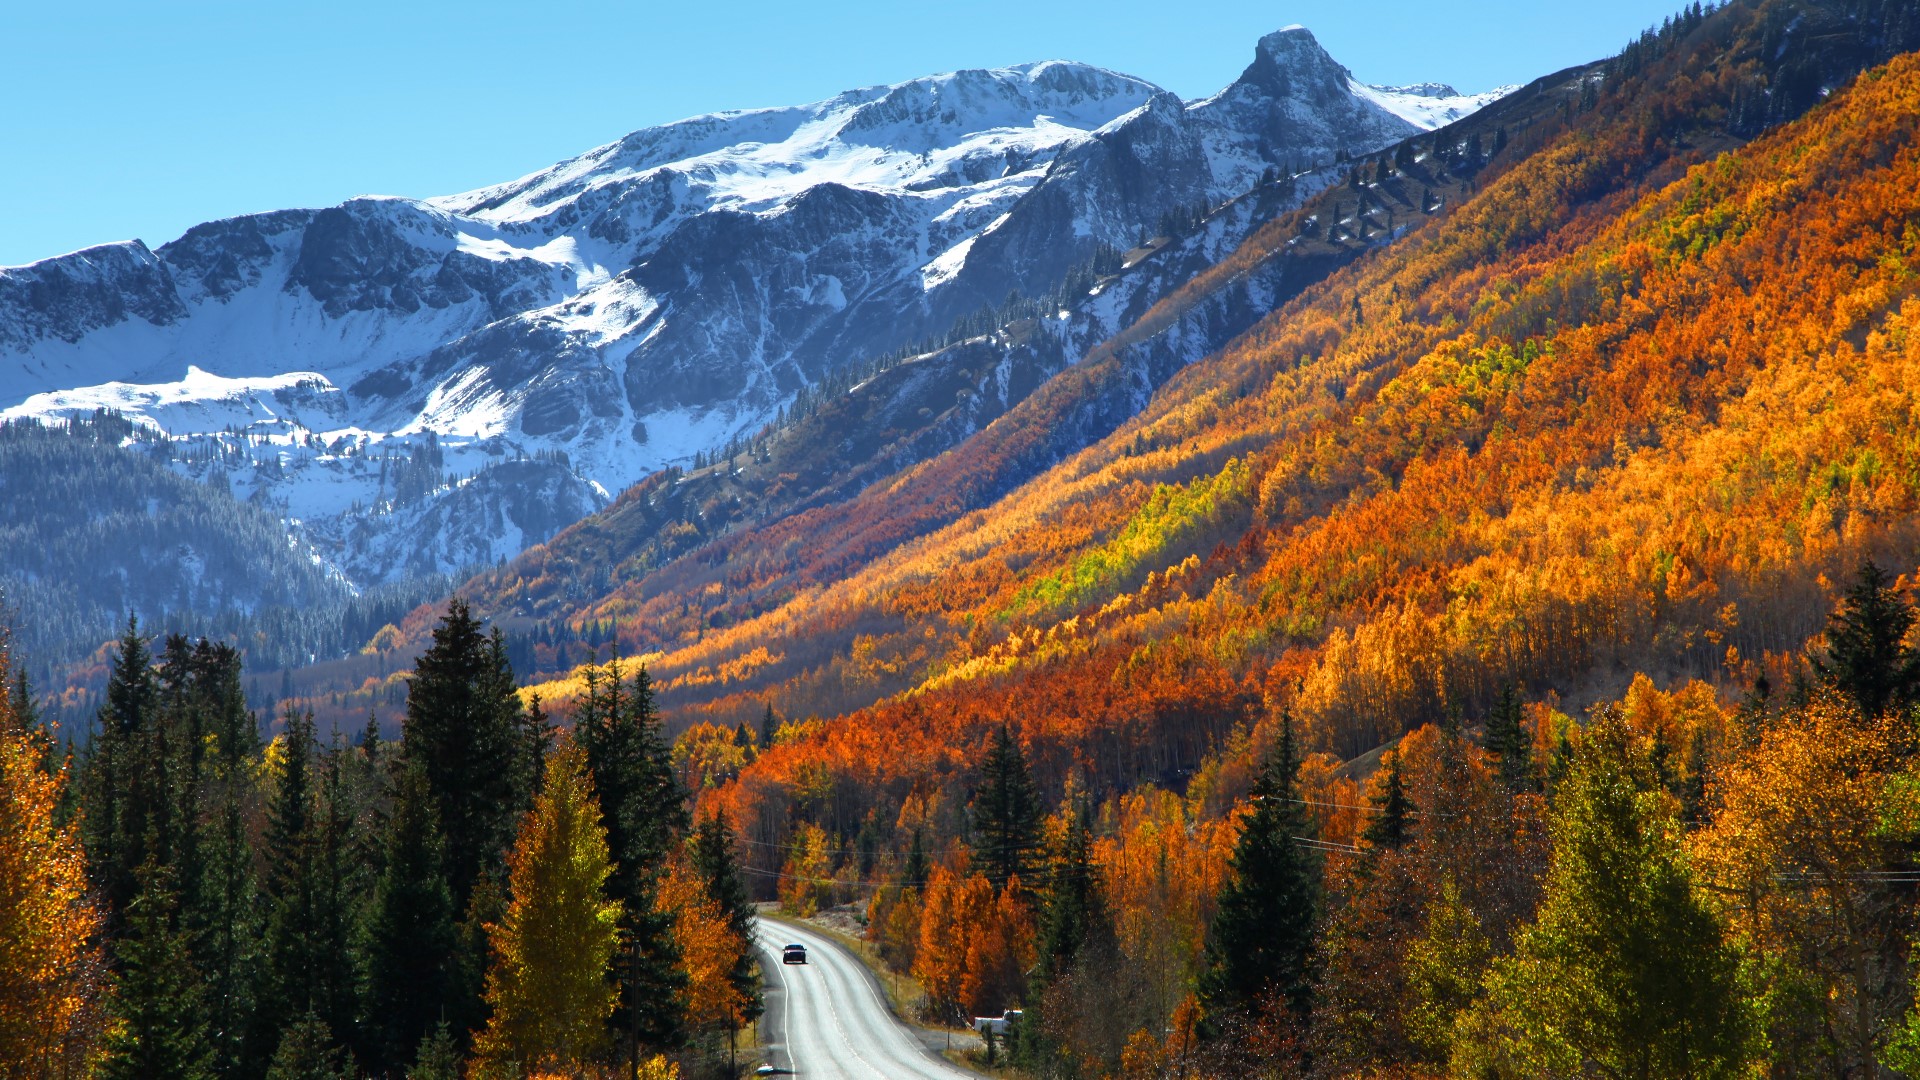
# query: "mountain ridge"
[[636, 306]]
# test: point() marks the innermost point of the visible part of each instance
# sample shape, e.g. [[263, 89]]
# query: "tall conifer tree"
[[618, 729], [1867, 656], [1006, 812], [1260, 947], [1626, 967], [464, 728], [410, 935], [1508, 741], [293, 939], [711, 854], [1391, 824], [162, 1027], [119, 788], [1075, 911]]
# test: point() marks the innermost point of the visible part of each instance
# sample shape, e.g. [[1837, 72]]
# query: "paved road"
[[826, 1019]]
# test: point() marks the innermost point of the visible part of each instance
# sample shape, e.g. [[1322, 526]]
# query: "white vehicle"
[[998, 1025]]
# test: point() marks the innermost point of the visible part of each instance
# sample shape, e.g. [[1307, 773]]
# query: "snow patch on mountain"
[[1430, 105], [380, 369]]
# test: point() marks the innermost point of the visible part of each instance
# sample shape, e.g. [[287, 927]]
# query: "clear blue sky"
[[138, 118]]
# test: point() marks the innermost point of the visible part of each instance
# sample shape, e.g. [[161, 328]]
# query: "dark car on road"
[[794, 954]]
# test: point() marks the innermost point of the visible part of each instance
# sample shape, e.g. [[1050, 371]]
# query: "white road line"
[[833, 991]]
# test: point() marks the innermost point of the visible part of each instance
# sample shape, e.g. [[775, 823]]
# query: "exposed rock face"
[[643, 302]]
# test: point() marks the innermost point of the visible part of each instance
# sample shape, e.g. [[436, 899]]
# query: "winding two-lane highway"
[[827, 1019]]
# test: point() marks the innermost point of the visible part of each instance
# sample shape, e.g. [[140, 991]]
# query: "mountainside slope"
[[87, 514], [644, 303], [840, 482], [1563, 421]]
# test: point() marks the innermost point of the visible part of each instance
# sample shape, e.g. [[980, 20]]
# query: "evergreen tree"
[[178, 750], [464, 728], [437, 1059], [293, 943], [307, 1052], [119, 782], [1508, 741], [710, 853], [370, 737], [769, 727], [1260, 945], [536, 734], [548, 986], [1625, 967], [1755, 708], [159, 1003], [1390, 827], [338, 895], [310, 894], [913, 873], [617, 728], [1074, 910], [410, 937], [226, 925], [25, 716], [1867, 657], [1006, 812]]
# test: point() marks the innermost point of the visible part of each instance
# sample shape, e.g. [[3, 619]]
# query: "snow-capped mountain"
[[516, 354]]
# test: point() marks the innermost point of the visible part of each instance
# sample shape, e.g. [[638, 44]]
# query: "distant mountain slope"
[[643, 303], [1489, 451], [819, 497], [95, 527]]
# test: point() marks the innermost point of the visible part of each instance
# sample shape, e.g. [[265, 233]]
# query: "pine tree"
[[548, 985], [617, 728], [1867, 657], [119, 783], [161, 1028], [337, 894], [1260, 946], [1508, 741], [464, 728], [1390, 827], [291, 893], [913, 873], [769, 727], [536, 742], [226, 924], [1006, 812], [710, 853], [307, 1052], [178, 749], [437, 1059], [410, 937], [1625, 967], [1074, 910]]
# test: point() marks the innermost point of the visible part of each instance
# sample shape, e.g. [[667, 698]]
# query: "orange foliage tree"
[[51, 970]]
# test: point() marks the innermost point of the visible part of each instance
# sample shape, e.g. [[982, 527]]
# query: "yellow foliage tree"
[[49, 965], [808, 878], [548, 987]]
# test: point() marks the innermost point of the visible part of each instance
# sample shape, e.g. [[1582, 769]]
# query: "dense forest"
[[96, 523], [183, 899]]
